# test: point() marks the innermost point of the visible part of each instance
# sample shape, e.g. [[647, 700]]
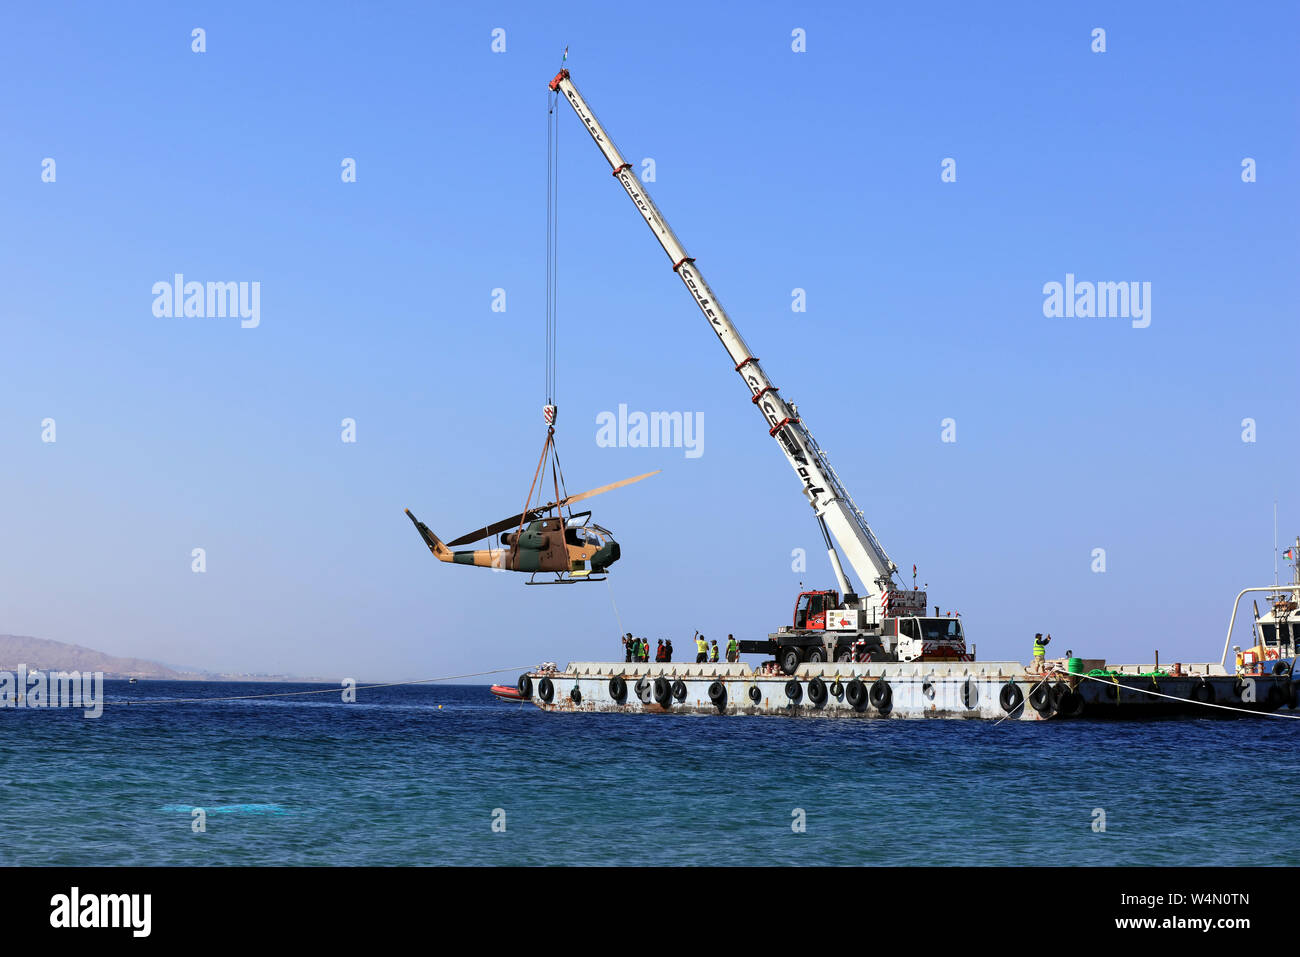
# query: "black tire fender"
[[679, 689], [881, 696], [618, 688], [525, 686], [1011, 697], [794, 690], [718, 693], [545, 690], [754, 694], [817, 691], [1275, 697], [1070, 704], [575, 695], [1041, 698], [837, 689], [1059, 690], [663, 691], [856, 693]]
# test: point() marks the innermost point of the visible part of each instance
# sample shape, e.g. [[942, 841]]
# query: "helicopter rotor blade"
[[487, 531], [606, 488]]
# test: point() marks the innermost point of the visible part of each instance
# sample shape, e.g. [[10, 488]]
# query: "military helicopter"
[[574, 549]]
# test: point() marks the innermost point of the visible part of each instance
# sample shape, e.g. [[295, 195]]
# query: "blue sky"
[[818, 170]]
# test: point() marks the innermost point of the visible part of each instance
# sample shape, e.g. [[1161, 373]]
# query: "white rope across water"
[[1207, 704], [1154, 694], [339, 690]]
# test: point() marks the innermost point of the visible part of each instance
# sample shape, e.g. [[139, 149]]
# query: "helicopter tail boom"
[[440, 551]]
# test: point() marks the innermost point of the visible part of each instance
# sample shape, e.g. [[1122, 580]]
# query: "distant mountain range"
[[47, 655]]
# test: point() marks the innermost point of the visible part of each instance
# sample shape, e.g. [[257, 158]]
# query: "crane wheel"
[[618, 688], [856, 693], [790, 660], [793, 691]]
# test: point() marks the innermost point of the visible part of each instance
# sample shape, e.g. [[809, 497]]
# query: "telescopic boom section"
[[825, 492]]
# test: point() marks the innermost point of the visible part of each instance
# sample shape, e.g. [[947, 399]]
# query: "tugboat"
[[1277, 631]]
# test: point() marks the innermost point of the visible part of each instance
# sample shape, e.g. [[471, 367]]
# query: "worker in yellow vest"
[[1040, 650], [701, 649]]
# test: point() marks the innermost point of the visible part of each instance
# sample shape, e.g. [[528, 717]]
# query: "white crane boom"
[[825, 492]]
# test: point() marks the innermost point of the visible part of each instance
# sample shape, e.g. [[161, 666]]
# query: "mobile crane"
[[886, 621]]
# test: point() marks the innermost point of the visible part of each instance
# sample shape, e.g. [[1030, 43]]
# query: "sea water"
[[437, 774]]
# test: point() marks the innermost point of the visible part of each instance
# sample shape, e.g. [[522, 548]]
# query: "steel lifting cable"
[[552, 240]]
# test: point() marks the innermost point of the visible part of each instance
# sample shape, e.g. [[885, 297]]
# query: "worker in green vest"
[[701, 649], [1040, 650], [733, 648]]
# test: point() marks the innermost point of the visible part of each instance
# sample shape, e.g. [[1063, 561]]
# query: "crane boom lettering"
[[830, 500]]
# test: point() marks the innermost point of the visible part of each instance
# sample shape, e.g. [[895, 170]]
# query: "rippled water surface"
[[418, 774]]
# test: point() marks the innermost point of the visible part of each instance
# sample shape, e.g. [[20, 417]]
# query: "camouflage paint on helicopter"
[[574, 549], [546, 545]]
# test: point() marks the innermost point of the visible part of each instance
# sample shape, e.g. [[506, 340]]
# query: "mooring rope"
[[1155, 694], [339, 690], [1207, 704]]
